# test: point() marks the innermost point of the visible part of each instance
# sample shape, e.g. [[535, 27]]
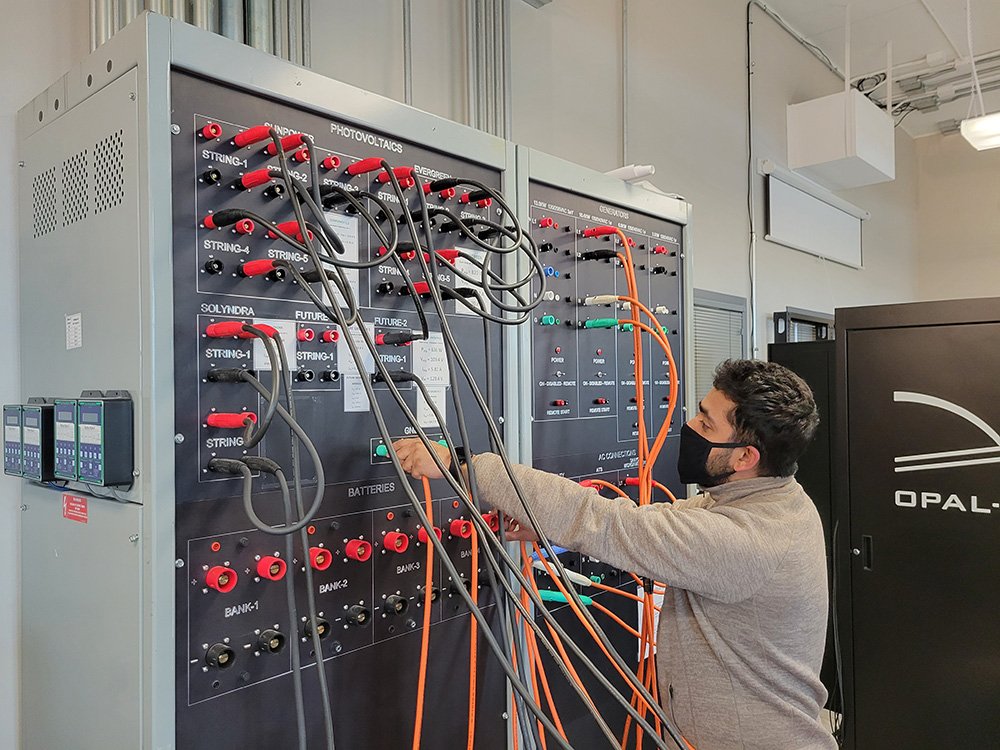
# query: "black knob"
[[276, 190], [545, 247], [278, 274], [271, 641], [305, 376], [321, 628], [358, 615], [395, 605], [330, 376], [211, 176], [220, 656], [385, 287], [214, 266]]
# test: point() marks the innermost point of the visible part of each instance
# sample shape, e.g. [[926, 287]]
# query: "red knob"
[[560, 402], [271, 568], [631, 481], [493, 520], [244, 226], [365, 165], [547, 222], [287, 143], [587, 483], [460, 528], [423, 537], [402, 174], [230, 328], [598, 231], [358, 549], [251, 180], [600, 401], [329, 337], [485, 202], [421, 287], [330, 162], [447, 193], [320, 558], [288, 227], [305, 334], [209, 222], [252, 135], [302, 155], [230, 420], [256, 268], [660, 249], [221, 578], [450, 255], [211, 131], [396, 541]]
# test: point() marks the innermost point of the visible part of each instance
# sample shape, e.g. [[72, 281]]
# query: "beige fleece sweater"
[[743, 625]]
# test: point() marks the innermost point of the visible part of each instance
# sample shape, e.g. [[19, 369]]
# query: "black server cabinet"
[[814, 362], [918, 489]]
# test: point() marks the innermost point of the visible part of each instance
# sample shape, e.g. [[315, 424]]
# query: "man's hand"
[[518, 532], [416, 459]]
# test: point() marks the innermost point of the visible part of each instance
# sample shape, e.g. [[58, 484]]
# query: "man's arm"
[[722, 554]]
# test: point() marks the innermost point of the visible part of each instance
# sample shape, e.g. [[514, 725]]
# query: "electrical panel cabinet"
[[152, 175], [917, 503]]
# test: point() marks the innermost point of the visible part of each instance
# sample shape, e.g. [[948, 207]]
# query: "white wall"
[[39, 41], [687, 115], [959, 219]]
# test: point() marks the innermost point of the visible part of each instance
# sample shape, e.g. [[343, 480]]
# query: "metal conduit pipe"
[[129, 9], [205, 15], [279, 13], [407, 52], [296, 32], [231, 19], [259, 25]]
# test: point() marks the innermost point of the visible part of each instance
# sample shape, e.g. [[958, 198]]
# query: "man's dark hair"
[[774, 411]]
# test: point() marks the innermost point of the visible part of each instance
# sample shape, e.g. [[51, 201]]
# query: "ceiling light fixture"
[[983, 132]]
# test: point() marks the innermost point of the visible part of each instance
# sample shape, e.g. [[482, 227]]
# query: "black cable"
[[251, 441], [453, 354], [379, 419]]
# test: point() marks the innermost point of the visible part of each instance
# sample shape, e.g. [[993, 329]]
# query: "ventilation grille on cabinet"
[[88, 183], [43, 202], [109, 174], [76, 188]]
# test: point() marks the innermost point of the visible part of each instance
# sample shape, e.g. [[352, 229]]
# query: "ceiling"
[[918, 30]]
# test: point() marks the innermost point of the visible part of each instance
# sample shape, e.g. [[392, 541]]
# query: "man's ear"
[[747, 459]]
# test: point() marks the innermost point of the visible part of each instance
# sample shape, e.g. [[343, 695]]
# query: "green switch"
[[601, 323], [382, 451], [548, 320]]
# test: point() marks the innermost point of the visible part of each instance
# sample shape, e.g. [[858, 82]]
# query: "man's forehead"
[[717, 404]]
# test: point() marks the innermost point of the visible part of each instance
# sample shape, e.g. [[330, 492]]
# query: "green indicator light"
[[627, 326], [601, 323], [382, 451], [443, 442], [558, 596], [548, 320]]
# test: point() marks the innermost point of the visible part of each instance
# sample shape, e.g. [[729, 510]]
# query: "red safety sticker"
[[75, 508]]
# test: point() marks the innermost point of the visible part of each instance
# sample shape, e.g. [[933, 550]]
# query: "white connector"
[[577, 578], [661, 310], [601, 299]]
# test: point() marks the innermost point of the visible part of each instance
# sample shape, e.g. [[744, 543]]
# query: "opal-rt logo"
[[989, 454]]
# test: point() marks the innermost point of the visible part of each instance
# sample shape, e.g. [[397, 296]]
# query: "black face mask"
[[692, 460]]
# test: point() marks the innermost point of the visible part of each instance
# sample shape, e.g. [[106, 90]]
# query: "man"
[[743, 625]]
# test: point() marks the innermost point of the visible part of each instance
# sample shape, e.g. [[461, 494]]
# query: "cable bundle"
[[522, 638]]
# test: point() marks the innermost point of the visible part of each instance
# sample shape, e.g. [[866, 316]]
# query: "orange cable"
[[473, 633], [425, 635]]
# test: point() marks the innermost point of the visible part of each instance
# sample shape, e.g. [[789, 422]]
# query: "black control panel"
[[366, 547]]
